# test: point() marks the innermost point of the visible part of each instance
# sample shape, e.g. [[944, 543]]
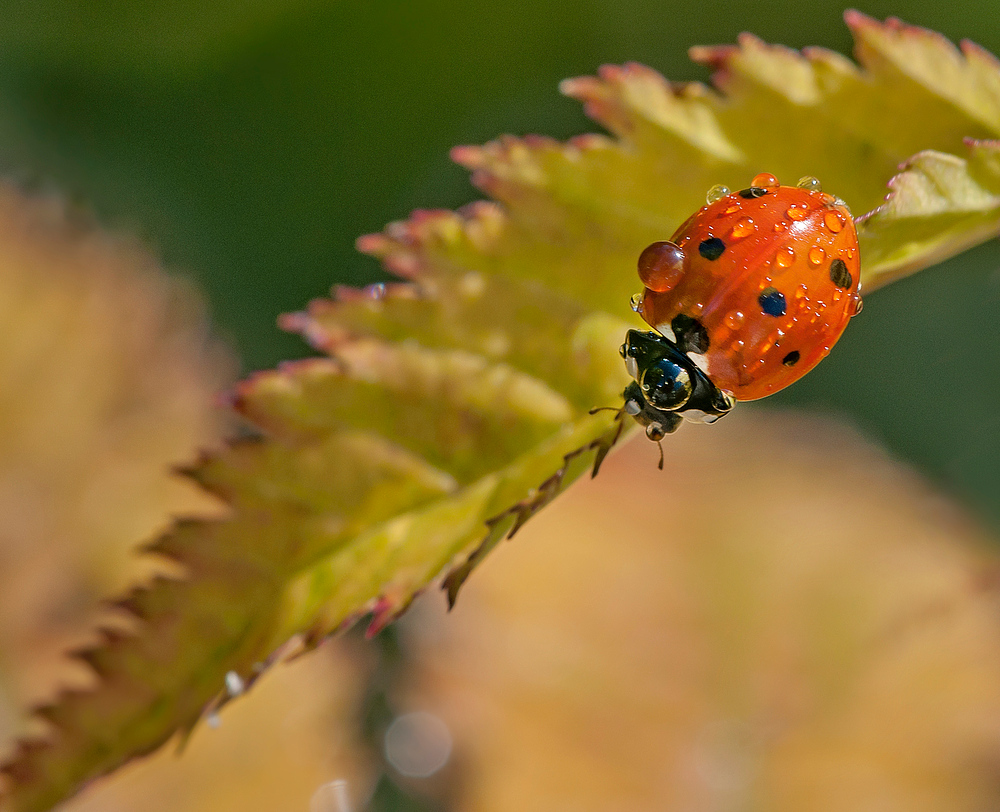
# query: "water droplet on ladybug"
[[856, 306], [816, 255], [697, 308], [744, 227], [765, 180], [734, 319], [795, 213], [661, 266], [834, 221], [801, 292], [785, 256], [636, 302], [810, 184], [717, 192], [780, 226], [732, 209]]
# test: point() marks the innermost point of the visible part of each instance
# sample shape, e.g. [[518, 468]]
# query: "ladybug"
[[748, 295]]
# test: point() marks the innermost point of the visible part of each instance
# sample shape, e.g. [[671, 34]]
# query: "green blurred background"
[[251, 141]]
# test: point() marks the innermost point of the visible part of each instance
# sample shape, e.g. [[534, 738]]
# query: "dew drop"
[[795, 213], [734, 319], [785, 257], [739, 344], [856, 306], [810, 184], [780, 226], [636, 302], [744, 227], [716, 193], [732, 209], [765, 180], [697, 308], [661, 266], [801, 292], [816, 255], [834, 220]]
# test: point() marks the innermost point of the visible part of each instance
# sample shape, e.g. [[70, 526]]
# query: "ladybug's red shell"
[[769, 277]]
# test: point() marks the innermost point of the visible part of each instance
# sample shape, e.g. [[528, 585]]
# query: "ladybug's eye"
[[666, 385]]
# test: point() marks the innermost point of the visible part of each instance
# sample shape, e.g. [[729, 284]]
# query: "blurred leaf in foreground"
[[108, 379], [451, 408]]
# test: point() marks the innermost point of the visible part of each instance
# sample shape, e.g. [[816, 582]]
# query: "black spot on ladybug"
[[791, 359], [752, 192], [690, 334], [772, 302], [711, 248], [840, 275]]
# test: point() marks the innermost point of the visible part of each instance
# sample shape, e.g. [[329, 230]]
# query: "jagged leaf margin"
[[420, 440]]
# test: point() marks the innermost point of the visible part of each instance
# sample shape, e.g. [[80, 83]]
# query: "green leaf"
[[939, 205], [452, 407]]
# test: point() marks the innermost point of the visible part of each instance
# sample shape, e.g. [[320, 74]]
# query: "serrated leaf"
[[453, 407]]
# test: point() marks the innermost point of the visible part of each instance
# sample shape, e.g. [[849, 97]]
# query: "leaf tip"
[[468, 155], [453, 582], [856, 20]]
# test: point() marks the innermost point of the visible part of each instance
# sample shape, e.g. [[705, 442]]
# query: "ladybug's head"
[[668, 386]]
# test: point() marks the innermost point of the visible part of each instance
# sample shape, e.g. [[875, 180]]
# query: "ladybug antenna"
[[659, 443], [597, 409]]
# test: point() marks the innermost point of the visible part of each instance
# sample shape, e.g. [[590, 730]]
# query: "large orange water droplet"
[[834, 221], [661, 266], [785, 256], [765, 180]]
